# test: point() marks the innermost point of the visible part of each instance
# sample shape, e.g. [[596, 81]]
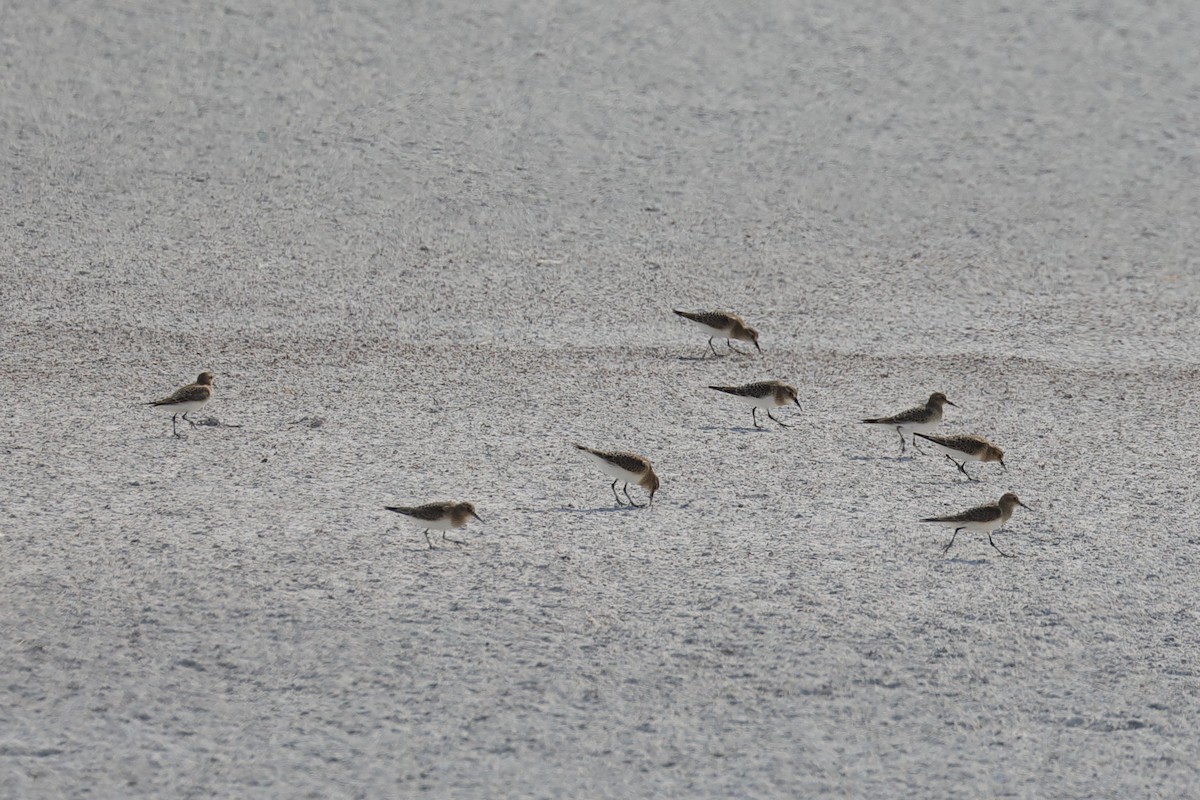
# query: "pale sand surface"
[[426, 248]]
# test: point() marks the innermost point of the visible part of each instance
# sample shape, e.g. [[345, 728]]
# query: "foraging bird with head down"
[[963, 448], [765, 395], [439, 517], [625, 467], [722, 325]]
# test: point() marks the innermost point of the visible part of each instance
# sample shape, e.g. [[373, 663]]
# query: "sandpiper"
[[625, 467], [764, 394], [921, 419], [187, 399], [985, 518], [439, 517], [966, 448], [722, 325]]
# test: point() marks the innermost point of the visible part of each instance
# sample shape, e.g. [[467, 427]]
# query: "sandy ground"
[[427, 248]]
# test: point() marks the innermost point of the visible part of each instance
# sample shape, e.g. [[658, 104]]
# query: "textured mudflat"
[[426, 250]]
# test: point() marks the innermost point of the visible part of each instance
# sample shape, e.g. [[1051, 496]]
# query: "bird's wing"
[[713, 319], [427, 513], [188, 394], [918, 414], [757, 390], [963, 443], [630, 462], [987, 513]]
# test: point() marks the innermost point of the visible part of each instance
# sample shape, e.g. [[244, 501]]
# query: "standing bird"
[[764, 394], [921, 419], [985, 518], [966, 448], [439, 517], [722, 325], [187, 399], [625, 467]]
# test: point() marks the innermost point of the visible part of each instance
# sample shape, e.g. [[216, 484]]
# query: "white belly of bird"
[[443, 524], [919, 427], [716, 333], [613, 471], [182, 408], [768, 401]]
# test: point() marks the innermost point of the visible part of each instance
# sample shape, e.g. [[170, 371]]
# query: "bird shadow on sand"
[[214, 422], [602, 510], [711, 357], [440, 547], [735, 429], [970, 562], [883, 458]]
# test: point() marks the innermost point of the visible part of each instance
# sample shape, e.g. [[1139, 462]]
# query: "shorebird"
[[764, 394], [187, 399], [439, 517], [966, 448], [985, 518], [722, 325], [625, 467], [916, 420]]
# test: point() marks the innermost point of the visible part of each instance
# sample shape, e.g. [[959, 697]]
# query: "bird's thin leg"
[[754, 416], [189, 422], [174, 432], [427, 539], [903, 444], [446, 538], [952, 538], [626, 490], [998, 550], [916, 446], [615, 495], [777, 422], [710, 347], [734, 349], [963, 469]]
